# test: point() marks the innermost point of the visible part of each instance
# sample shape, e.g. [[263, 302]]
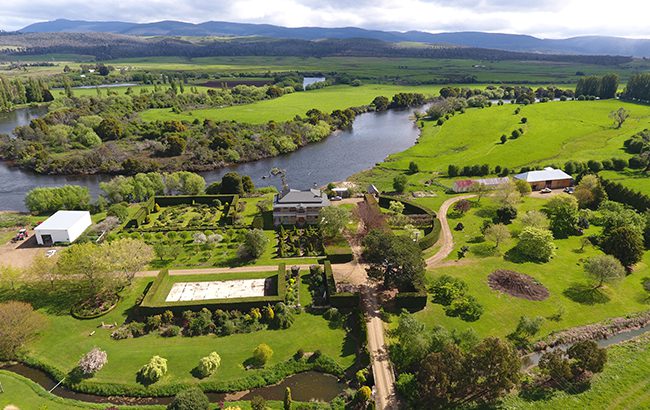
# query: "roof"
[[62, 220], [312, 196], [547, 174]]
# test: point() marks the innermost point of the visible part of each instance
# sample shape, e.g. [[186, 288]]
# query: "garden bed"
[[517, 284]]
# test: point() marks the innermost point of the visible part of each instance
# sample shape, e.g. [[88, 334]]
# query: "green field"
[[563, 272], [555, 133], [288, 106], [66, 339], [624, 384], [636, 180]]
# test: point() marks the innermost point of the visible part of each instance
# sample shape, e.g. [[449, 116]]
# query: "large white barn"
[[63, 226]]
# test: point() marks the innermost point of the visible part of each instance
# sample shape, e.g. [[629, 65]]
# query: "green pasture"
[[560, 276], [636, 180]]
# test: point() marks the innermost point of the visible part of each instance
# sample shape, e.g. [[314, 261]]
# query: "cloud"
[[544, 18]]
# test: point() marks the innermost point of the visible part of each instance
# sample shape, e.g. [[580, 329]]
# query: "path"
[[446, 240]]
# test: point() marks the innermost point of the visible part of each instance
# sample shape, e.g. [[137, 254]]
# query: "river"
[[372, 137]]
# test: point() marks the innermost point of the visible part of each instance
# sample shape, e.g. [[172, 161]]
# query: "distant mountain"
[[590, 45]]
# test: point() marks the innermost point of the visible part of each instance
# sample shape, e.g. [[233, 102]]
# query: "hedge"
[[342, 300], [411, 301], [194, 199], [432, 233], [620, 193], [338, 254], [148, 307], [263, 377]]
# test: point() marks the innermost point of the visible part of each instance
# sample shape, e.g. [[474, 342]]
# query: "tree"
[[93, 361], [503, 139], [154, 370], [44, 268], [462, 206], [507, 194], [247, 183], [333, 219], [589, 192], [413, 168], [452, 170], [506, 213], [262, 354], [49, 200], [87, 264], [399, 183], [128, 256], [527, 327], [110, 129], [287, 398], [562, 211], [209, 364], [380, 103], [363, 394], [608, 86], [588, 356], [258, 403], [536, 244], [413, 342], [10, 275], [398, 262], [479, 189], [175, 145], [555, 366], [619, 116], [191, 398], [254, 244], [231, 183], [119, 211], [497, 233], [535, 218], [604, 268], [625, 243], [523, 187], [494, 369], [441, 377], [18, 325]]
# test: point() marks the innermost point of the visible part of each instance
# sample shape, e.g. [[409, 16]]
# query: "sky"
[[541, 18]]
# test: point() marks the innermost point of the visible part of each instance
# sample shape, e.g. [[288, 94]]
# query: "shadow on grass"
[[486, 212], [513, 255], [54, 300], [477, 239], [585, 294]]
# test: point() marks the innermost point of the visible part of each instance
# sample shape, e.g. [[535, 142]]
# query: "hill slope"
[[511, 42]]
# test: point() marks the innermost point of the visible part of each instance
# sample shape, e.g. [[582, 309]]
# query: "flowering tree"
[[93, 361]]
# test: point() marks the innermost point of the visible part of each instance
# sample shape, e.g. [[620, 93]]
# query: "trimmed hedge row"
[[262, 378], [411, 301], [620, 193], [342, 300], [338, 254], [141, 214], [148, 307], [432, 233]]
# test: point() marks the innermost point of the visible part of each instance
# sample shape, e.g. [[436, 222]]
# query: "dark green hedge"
[[411, 301], [338, 254], [620, 193], [148, 307], [194, 199], [430, 238], [343, 300]]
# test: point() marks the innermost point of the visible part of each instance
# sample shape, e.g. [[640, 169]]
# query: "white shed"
[[63, 226]]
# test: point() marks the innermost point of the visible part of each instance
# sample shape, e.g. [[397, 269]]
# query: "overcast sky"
[[542, 18]]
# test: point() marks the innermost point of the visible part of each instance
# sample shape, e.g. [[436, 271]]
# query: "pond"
[[304, 387], [373, 136]]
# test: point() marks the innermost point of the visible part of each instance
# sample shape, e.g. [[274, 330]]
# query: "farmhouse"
[[295, 207], [465, 185], [63, 226], [547, 178]]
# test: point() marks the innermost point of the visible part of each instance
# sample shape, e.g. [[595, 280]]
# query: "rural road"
[[446, 240]]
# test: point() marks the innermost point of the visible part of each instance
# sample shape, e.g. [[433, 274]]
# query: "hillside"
[[511, 42]]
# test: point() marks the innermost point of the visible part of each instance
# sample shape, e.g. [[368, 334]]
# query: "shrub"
[[506, 214], [154, 370], [119, 211], [192, 398], [466, 307], [171, 331], [399, 183], [536, 244], [447, 288], [93, 361], [262, 354], [209, 364]]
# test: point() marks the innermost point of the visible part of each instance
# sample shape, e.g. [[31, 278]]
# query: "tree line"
[[638, 88], [18, 92]]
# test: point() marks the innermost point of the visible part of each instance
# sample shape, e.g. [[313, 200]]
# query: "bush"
[[536, 244], [506, 214], [154, 370], [209, 364], [171, 331], [466, 307], [192, 398], [93, 361], [262, 354], [399, 183], [447, 288], [119, 211]]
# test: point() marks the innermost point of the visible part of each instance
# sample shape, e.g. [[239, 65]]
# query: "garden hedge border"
[[338, 254], [147, 307], [264, 377], [411, 301], [339, 300], [432, 233]]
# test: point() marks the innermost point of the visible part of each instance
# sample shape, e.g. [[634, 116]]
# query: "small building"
[[63, 226], [465, 185], [295, 207], [547, 178]]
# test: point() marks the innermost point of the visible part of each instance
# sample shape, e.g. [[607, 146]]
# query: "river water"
[[372, 137]]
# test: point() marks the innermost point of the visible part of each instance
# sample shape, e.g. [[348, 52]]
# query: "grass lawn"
[[555, 133], [624, 384], [634, 179], [66, 339], [563, 272], [288, 106]]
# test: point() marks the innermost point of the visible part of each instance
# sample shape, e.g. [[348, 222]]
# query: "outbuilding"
[[546, 178], [62, 227]]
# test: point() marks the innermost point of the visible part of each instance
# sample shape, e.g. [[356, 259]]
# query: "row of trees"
[[598, 86], [22, 92], [638, 88], [142, 186]]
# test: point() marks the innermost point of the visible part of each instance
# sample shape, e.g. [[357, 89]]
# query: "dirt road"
[[446, 240]]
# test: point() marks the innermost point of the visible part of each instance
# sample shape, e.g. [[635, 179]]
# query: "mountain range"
[[585, 45]]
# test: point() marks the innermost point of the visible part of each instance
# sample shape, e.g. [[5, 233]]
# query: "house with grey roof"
[[546, 178], [294, 207]]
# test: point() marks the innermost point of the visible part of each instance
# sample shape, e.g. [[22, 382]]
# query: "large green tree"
[[562, 211], [625, 243]]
